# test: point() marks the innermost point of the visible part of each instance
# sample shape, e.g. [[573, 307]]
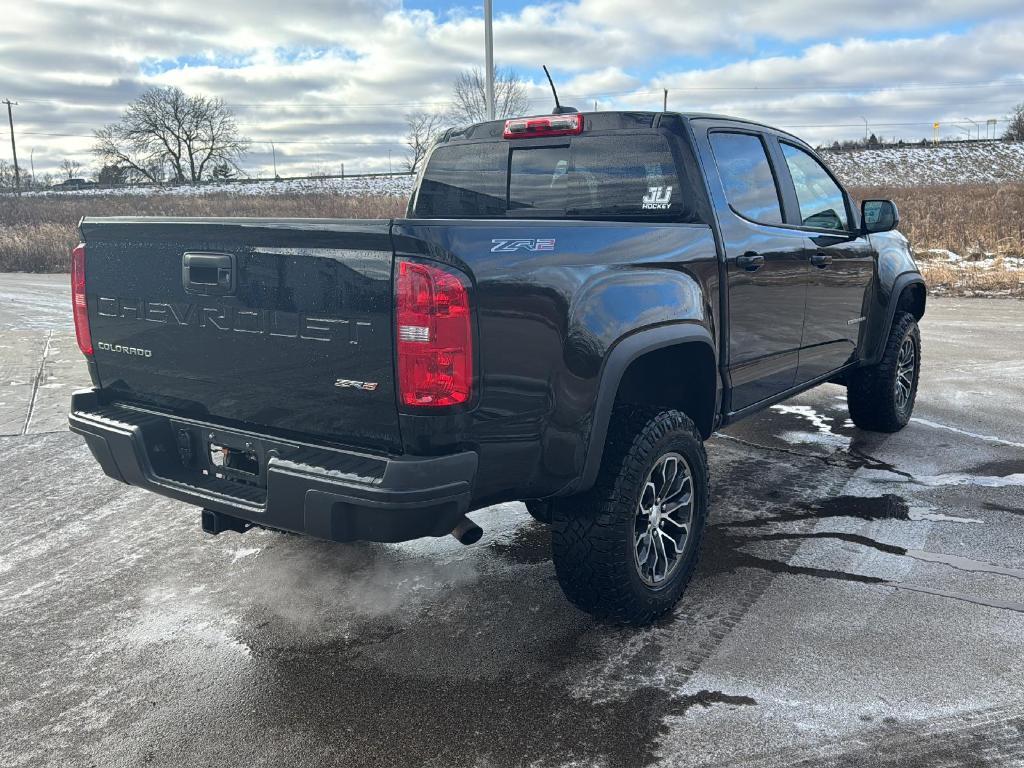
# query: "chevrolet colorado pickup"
[[572, 305]]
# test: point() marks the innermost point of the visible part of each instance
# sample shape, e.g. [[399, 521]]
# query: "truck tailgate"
[[279, 325]]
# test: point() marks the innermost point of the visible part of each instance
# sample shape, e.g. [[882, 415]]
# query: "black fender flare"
[[899, 286], [619, 358]]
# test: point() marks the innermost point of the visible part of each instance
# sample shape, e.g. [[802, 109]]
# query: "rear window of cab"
[[625, 176]]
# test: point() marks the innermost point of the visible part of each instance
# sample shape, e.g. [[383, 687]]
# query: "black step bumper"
[[324, 492]]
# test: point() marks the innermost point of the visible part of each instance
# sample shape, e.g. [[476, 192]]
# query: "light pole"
[[489, 57]]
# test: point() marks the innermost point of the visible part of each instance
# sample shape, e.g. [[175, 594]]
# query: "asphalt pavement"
[[860, 601]]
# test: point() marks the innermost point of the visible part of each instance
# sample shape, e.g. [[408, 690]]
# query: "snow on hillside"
[[352, 185], [956, 163], [961, 163]]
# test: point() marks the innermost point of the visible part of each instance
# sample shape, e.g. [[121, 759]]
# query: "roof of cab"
[[604, 120]]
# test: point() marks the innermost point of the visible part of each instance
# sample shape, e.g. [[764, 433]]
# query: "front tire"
[[881, 397], [625, 550]]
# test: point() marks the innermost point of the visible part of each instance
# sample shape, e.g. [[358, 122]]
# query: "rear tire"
[[881, 397], [609, 557]]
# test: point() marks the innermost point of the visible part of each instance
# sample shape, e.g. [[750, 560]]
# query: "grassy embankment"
[[982, 223], [38, 233]]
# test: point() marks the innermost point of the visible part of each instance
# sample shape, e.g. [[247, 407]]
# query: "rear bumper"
[[323, 492]]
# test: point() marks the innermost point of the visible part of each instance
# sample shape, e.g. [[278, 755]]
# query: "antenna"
[[559, 109]]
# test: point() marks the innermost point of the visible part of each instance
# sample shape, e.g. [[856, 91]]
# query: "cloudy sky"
[[330, 81]]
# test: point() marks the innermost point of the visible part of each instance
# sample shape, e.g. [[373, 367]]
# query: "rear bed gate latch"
[[208, 274]]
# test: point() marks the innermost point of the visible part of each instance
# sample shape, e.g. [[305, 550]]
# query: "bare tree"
[[6, 174], [1015, 130], [424, 129], [69, 168], [469, 96], [166, 129]]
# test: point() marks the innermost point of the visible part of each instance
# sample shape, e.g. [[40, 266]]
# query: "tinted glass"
[[822, 204], [540, 178], [627, 176], [747, 176], [464, 180]]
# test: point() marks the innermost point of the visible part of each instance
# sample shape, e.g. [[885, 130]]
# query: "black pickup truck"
[[573, 304]]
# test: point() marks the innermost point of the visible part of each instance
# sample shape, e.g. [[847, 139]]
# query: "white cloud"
[[74, 64]]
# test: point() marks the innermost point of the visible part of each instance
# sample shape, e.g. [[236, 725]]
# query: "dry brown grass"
[[984, 223], [38, 233], [963, 218]]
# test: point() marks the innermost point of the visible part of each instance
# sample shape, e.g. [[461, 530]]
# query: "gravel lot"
[[860, 601]]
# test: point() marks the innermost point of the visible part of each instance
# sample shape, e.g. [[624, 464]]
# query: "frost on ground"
[[910, 166]]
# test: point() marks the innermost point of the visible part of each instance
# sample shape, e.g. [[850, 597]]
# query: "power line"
[[254, 141], [910, 86], [876, 123]]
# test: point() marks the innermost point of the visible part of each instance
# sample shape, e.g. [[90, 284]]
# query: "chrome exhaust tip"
[[467, 532]]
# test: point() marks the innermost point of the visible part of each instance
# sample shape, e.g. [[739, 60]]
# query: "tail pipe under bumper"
[[467, 532]]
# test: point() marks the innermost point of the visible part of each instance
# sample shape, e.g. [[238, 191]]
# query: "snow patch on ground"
[[243, 553], [984, 260]]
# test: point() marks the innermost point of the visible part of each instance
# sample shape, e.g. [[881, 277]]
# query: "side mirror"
[[879, 216]]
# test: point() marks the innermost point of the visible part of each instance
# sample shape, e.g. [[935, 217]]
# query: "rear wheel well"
[[680, 377]]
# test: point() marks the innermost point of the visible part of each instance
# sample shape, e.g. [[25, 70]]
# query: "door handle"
[[750, 261], [208, 274], [821, 260]]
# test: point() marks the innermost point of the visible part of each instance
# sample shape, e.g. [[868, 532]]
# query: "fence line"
[[211, 182]]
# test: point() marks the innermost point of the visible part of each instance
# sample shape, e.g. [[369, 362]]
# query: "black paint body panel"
[[311, 304], [311, 301]]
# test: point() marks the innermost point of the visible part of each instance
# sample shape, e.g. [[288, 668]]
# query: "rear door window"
[[750, 188]]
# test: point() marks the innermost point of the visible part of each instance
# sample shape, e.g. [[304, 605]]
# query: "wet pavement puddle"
[[832, 439]]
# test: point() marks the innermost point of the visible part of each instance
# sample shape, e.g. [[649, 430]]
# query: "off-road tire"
[[593, 533], [540, 510], [871, 392]]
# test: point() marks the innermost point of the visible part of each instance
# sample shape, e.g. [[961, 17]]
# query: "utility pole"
[[976, 125], [489, 56], [664, 103], [273, 151], [14, 147], [865, 129]]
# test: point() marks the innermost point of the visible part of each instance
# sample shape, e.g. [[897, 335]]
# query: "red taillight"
[[78, 303], [435, 340], [555, 125]]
